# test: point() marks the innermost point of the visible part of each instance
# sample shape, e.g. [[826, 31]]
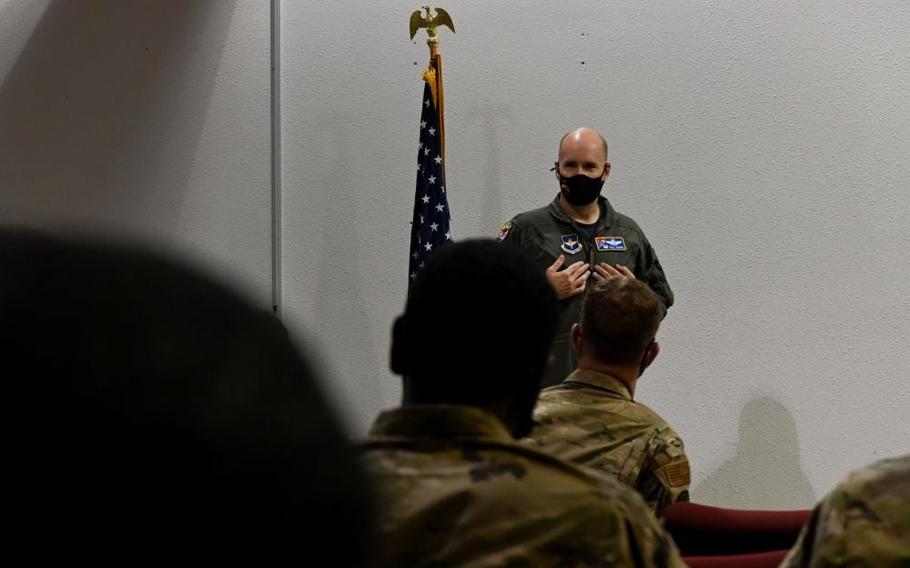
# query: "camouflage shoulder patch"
[[504, 232], [678, 473]]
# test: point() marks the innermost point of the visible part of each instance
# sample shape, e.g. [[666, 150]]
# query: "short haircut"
[[157, 411], [620, 319], [567, 134], [478, 324]]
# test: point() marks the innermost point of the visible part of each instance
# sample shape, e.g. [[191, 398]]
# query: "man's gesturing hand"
[[603, 271], [570, 281]]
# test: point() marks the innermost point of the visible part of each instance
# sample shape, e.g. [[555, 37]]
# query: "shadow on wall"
[[765, 473], [101, 114]]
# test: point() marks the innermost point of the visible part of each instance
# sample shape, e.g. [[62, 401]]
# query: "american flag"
[[430, 225]]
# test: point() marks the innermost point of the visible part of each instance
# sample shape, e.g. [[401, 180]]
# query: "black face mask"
[[580, 189]]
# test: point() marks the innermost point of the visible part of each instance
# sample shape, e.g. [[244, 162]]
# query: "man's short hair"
[[478, 321], [157, 411], [620, 319], [566, 135]]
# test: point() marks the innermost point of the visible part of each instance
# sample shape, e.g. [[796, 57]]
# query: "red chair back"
[[701, 530], [771, 559]]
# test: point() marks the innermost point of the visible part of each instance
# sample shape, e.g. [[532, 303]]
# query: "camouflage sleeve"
[[865, 521], [652, 273], [601, 534], [801, 554], [666, 477], [652, 544], [648, 542]]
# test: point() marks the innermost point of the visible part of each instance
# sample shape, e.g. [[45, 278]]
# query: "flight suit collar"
[[606, 212], [601, 381], [440, 421]]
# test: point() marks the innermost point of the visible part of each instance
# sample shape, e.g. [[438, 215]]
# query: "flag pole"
[[436, 60]]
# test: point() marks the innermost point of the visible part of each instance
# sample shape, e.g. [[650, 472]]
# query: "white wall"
[[147, 119], [761, 145]]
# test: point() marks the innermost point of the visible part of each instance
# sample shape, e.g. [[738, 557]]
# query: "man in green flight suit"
[[580, 235]]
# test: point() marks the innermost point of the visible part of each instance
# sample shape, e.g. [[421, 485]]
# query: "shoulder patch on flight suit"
[[678, 473], [610, 243], [504, 232]]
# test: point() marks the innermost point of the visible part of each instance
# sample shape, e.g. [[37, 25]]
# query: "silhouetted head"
[[155, 412], [476, 331]]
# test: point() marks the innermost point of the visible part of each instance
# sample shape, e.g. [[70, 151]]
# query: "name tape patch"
[[610, 243]]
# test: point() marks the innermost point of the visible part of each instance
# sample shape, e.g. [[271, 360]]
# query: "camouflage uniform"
[[591, 420], [458, 490], [865, 521]]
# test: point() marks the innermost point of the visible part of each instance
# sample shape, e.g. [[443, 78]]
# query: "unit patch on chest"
[[571, 244], [610, 243]]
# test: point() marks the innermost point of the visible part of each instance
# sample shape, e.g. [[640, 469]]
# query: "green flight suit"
[[548, 232]]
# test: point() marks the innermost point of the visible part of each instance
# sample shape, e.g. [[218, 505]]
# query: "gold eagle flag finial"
[[434, 18]]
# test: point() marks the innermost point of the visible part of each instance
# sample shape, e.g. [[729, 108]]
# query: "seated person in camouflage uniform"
[[457, 488], [865, 521], [592, 418]]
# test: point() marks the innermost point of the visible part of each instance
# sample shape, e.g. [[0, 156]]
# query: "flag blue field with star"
[[430, 224]]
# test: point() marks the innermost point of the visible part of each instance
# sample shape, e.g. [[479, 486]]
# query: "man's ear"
[[650, 355], [606, 173], [398, 356], [577, 339]]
